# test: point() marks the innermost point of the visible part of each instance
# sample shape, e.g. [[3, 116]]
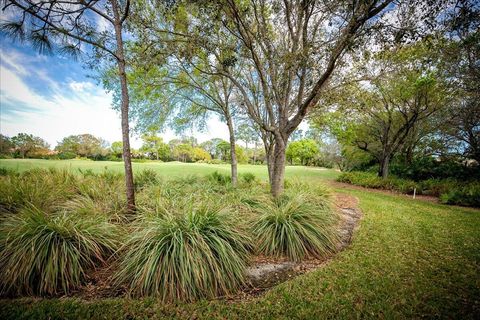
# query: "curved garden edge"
[[266, 273]]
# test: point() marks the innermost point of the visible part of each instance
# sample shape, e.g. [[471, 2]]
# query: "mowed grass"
[[168, 169], [408, 259]]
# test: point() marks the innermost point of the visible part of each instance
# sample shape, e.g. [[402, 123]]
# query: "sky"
[[52, 97]]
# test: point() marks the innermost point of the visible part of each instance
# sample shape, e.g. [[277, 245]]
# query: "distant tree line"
[[185, 149]]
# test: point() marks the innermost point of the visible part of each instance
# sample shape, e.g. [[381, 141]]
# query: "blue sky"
[[52, 97]]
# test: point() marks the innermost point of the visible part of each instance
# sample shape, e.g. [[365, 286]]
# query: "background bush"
[[219, 178], [449, 190], [44, 189], [467, 195], [248, 177]]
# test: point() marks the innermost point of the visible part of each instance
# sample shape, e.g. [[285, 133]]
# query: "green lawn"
[[166, 169], [408, 259]]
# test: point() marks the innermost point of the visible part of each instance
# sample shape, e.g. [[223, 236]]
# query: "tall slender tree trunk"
[[384, 166], [278, 167], [233, 156], [127, 157], [255, 153], [268, 145], [269, 158]]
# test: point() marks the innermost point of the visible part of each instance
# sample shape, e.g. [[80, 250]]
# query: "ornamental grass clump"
[[49, 254], [44, 189], [294, 226], [193, 253], [146, 178]]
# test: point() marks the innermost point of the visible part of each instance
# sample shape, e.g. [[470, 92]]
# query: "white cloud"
[[13, 89], [81, 86], [75, 107], [103, 24]]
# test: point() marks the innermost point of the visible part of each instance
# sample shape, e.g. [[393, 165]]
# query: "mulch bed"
[[264, 272]]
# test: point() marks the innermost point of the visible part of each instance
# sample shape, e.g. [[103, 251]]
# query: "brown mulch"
[[98, 285]]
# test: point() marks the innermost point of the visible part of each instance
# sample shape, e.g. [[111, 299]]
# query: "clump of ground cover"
[[297, 225], [55, 227], [192, 237], [193, 252], [44, 189], [49, 253]]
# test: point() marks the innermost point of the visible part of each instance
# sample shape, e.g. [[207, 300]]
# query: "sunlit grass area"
[[167, 169], [408, 259]]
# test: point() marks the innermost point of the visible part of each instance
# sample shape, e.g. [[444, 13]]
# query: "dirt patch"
[[98, 285], [265, 273]]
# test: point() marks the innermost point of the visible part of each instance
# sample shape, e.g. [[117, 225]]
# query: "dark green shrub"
[[198, 253], [145, 178], [113, 158], [430, 168], [363, 179], [248, 177], [219, 178], [47, 254], [467, 195], [372, 180], [436, 187], [6, 172], [66, 155], [450, 191]]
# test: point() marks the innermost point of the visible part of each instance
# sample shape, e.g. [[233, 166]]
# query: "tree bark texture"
[[127, 157], [233, 156]]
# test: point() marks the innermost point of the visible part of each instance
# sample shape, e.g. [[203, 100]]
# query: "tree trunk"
[[127, 157], [233, 156], [255, 153], [268, 146], [384, 164], [408, 155], [269, 159], [278, 167]]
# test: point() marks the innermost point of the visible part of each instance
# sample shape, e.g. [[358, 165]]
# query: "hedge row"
[[449, 191]]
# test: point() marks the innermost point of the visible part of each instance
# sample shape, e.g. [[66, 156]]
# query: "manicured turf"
[[167, 169], [408, 259]]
